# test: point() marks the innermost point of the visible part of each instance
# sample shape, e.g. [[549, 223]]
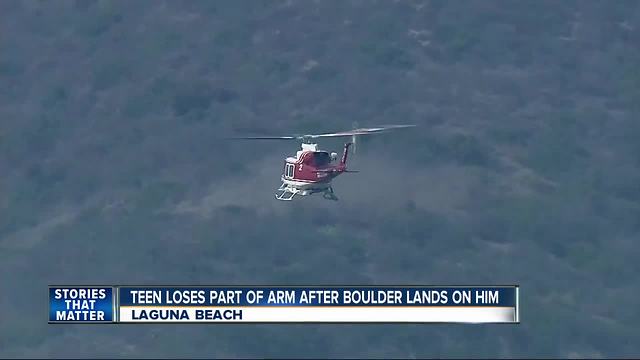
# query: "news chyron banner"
[[284, 304]]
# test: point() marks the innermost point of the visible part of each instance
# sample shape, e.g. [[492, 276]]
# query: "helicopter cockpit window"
[[288, 171], [322, 159]]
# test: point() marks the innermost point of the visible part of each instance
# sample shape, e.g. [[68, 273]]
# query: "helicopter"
[[312, 169]]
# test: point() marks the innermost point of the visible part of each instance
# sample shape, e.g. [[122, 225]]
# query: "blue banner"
[[85, 304], [497, 296]]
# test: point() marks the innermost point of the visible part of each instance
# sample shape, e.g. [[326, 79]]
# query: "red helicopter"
[[311, 170]]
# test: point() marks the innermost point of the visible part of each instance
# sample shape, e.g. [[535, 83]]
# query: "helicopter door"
[[288, 171]]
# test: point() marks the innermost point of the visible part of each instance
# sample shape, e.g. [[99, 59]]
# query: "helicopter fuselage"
[[312, 170]]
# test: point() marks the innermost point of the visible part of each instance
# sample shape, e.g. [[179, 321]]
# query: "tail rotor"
[[353, 137]]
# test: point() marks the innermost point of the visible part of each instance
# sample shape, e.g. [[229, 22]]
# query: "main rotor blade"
[[389, 127], [264, 138], [360, 131]]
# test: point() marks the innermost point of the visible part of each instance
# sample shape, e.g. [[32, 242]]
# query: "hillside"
[[525, 166]]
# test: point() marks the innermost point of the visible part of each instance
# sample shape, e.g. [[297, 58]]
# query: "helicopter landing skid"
[[286, 193], [329, 194]]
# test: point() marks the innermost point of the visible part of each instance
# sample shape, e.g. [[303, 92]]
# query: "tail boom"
[[345, 154]]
